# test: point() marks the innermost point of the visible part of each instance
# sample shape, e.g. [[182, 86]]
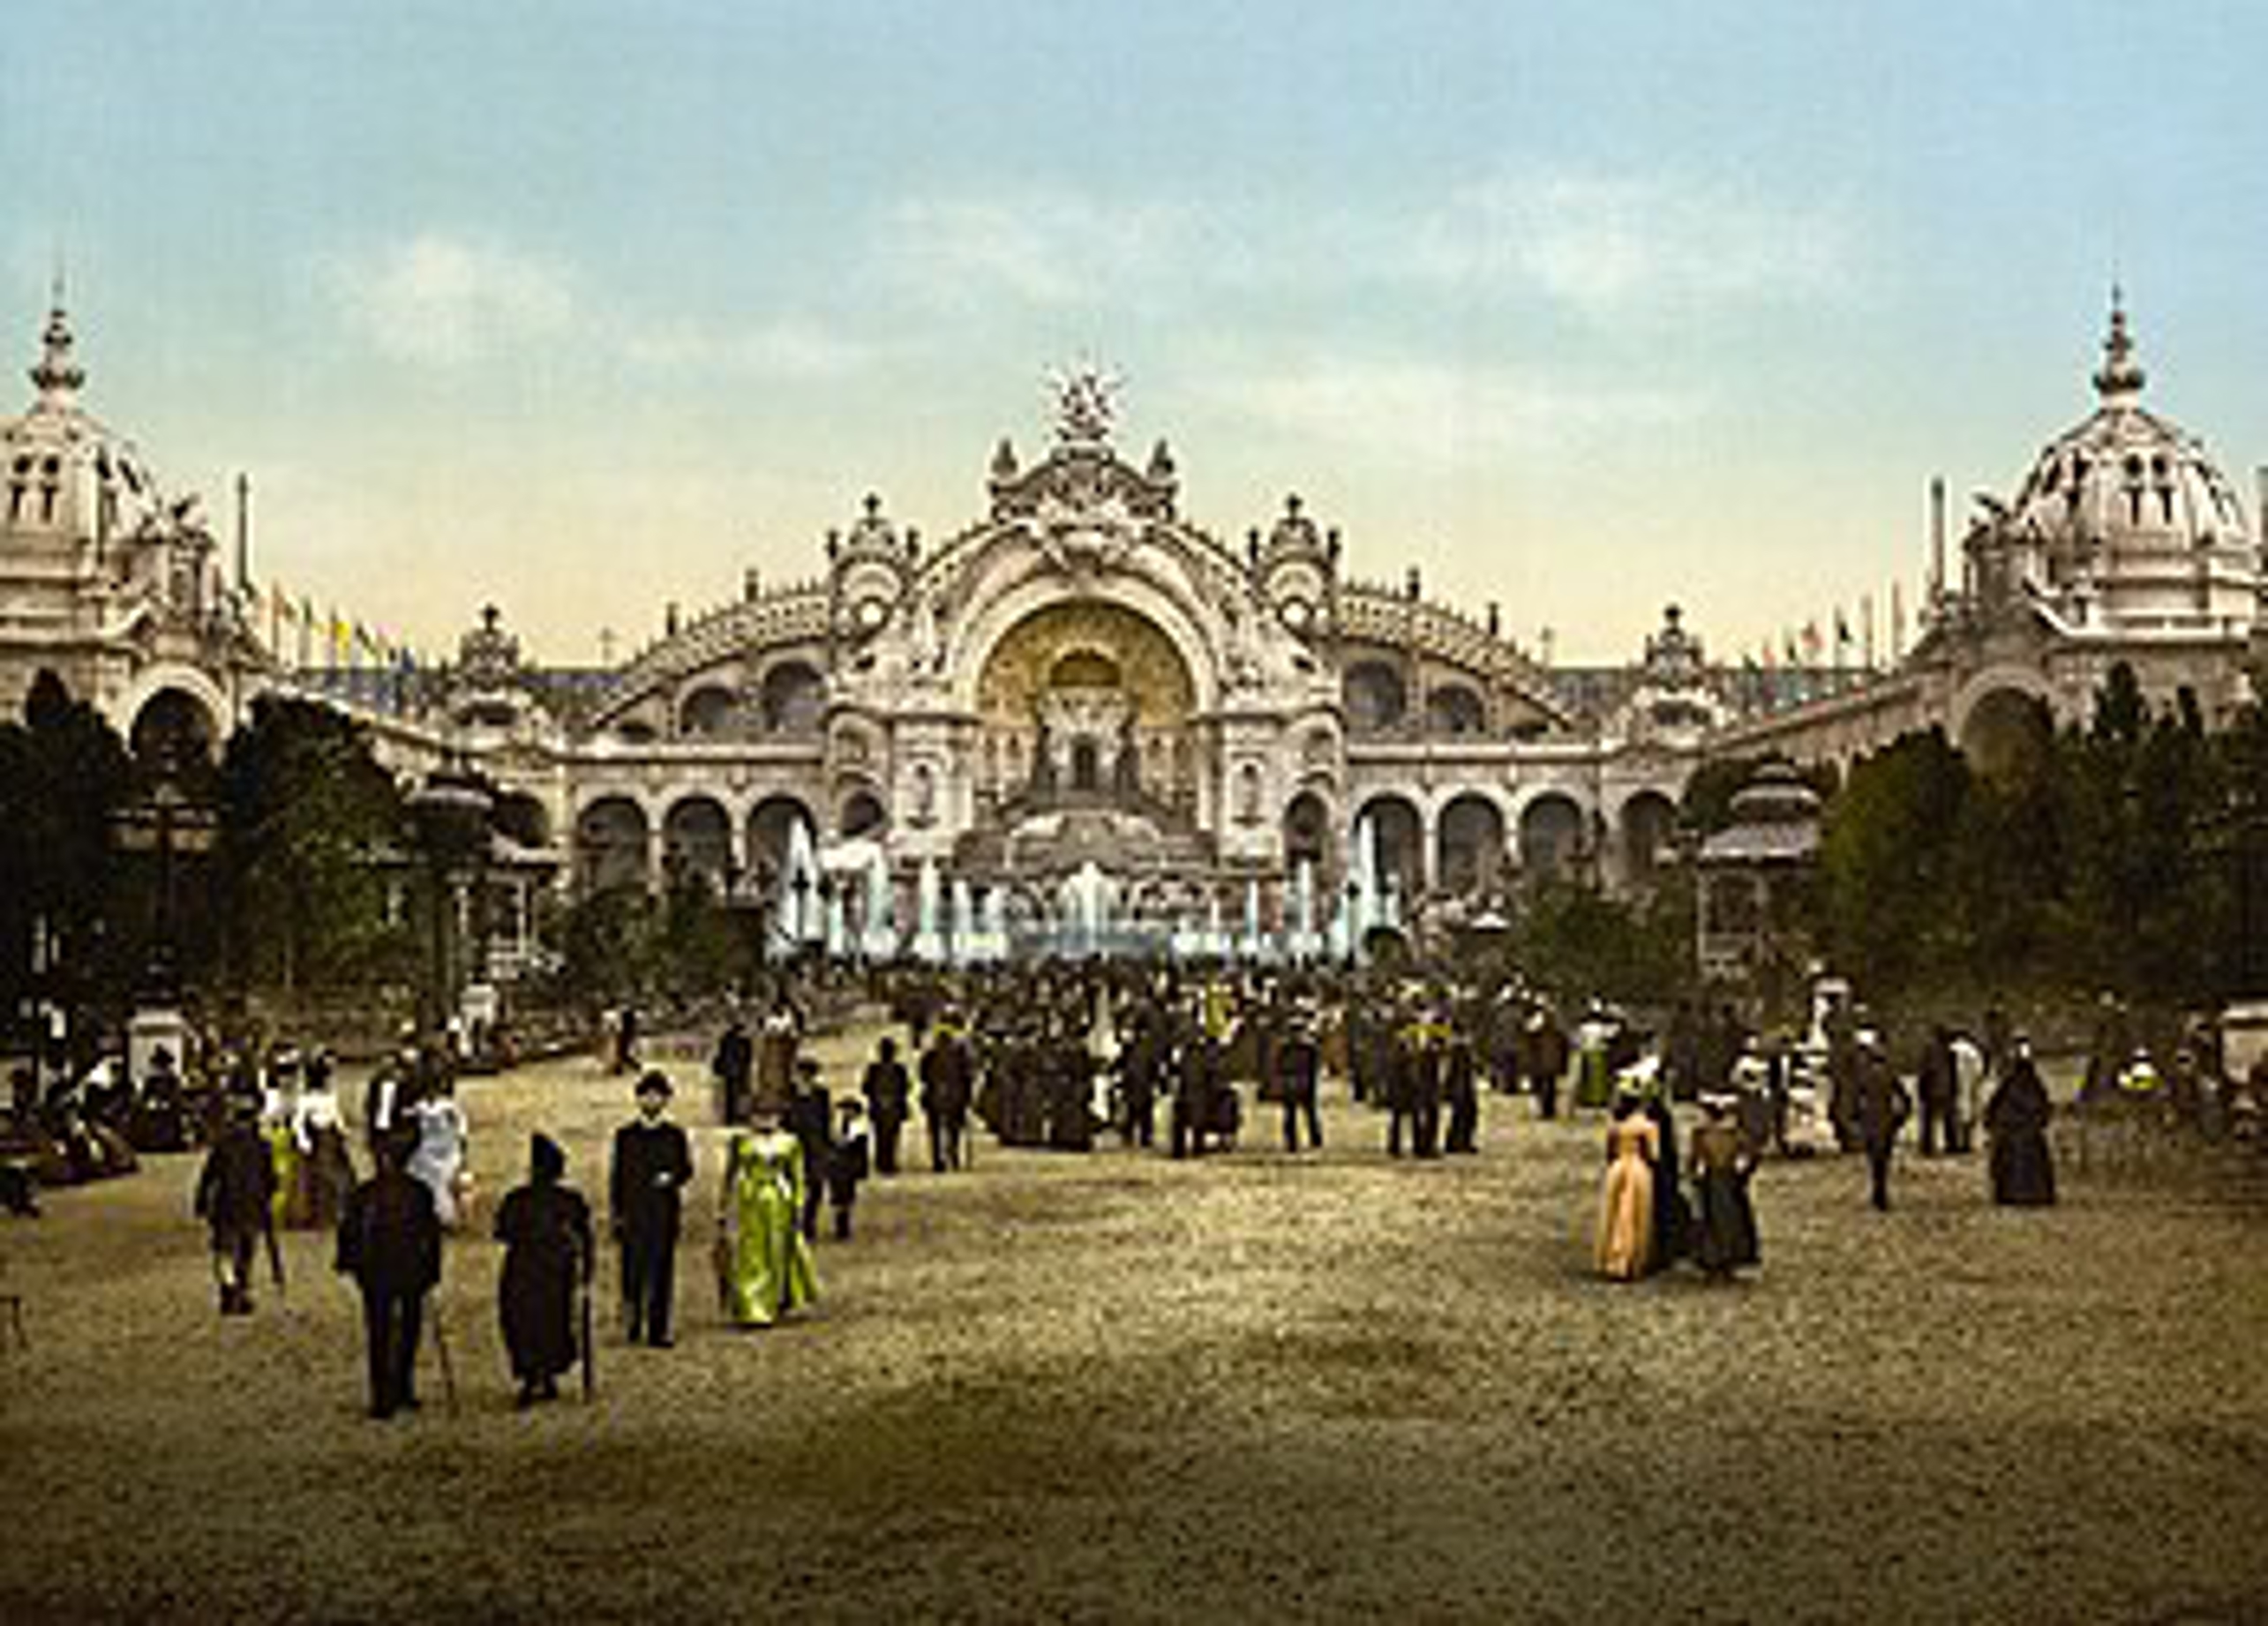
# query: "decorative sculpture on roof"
[[1086, 404]]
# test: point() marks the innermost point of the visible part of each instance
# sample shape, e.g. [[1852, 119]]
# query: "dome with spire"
[[2125, 518], [65, 473]]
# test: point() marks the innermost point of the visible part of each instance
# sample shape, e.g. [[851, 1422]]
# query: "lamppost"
[[801, 887], [449, 815], [165, 823]]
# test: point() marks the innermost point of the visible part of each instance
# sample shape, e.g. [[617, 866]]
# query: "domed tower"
[[2123, 523], [867, 573], [1296, 571], [103, 574]]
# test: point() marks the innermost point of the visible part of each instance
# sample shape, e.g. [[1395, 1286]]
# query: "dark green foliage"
[[312, 844], [2113, 859], [1578, 942], [64, 776]]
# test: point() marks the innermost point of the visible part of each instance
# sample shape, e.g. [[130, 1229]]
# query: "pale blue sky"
[[1584, 307]]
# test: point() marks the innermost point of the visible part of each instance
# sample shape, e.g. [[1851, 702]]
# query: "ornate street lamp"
[[165, 823], [448, 815]]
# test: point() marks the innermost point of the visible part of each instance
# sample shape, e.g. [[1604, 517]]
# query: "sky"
[[1582, 308]]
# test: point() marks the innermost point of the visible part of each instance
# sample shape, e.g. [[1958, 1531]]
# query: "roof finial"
[[57, 374], [2120, 378]]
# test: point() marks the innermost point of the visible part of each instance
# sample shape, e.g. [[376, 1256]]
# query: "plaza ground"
[[1118, 1387]]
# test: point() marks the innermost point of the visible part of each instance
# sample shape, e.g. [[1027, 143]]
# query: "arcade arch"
[[1454, 709], [792, 699], [1307, 830], [771, 824], [697, 839], [174, 725], [1550, 836], [2006, 731], [611, 845], [1377, 699], [708, 710], [1400, 835], [1469, 844], [1649, 833]]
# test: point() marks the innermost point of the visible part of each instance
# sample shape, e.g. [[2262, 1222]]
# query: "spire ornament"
[[57, 374], [2121, 378]]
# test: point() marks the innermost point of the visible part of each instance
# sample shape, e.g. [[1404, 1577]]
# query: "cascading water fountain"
[[881, 932], [1301, 944], [928, 945], [964, 948]]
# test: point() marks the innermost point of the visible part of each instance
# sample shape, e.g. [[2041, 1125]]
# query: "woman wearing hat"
[[763, 1259], [1724, 1236], [545, 1228], [1624, 1246]]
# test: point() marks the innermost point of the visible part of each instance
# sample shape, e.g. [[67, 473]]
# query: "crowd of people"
[[1062, 1056]]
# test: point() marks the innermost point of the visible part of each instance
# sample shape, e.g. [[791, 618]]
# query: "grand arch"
[[2002, 717]]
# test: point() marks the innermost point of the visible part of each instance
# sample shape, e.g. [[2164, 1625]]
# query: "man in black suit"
[[811, 1121], [946, 1088], [733, 1064], [652, 1162], [390, 1242], [889, 1092]]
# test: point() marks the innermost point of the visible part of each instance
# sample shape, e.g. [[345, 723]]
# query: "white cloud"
[[1050, 248], [1440, 413], [789, 348], [1612, 246], [441, 299]]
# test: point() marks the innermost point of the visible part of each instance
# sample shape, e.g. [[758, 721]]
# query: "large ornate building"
[[2122, 542], [1083, 720]]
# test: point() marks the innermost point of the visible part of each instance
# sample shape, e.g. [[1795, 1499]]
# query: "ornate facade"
[[1085, 710]]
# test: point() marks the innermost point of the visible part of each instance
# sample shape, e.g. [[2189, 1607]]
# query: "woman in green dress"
[[764, 1267]]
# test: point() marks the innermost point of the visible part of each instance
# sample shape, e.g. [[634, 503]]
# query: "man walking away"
[[390, 1242], [1881, 1108], [1299, 1062], [236, 1198], [887, 1090]]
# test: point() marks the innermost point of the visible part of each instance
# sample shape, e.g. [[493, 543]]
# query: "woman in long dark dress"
[[2015, 1121], [545, 1230], [1725, 1230]]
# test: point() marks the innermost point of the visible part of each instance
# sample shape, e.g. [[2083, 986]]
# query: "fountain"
[[964, 948], [834, 906], [992, 933], [928, 945], [1086, 911], [1300, 944], [881, 932]]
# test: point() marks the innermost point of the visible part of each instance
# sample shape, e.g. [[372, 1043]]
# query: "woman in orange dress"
[[1626, 1224]]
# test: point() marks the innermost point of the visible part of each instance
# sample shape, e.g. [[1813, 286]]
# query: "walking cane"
[[448, 1371], [274, 1257], [589, 1345]]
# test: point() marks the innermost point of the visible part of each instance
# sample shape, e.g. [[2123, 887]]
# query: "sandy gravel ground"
[[1118, 1388]]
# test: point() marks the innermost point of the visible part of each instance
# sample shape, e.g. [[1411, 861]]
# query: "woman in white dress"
[[439, 1157]]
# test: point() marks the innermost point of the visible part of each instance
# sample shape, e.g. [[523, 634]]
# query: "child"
[[847, 1164]]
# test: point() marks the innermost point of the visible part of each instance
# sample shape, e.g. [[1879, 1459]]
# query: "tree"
[[310, 826], [64, 774], [1886, 865]]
